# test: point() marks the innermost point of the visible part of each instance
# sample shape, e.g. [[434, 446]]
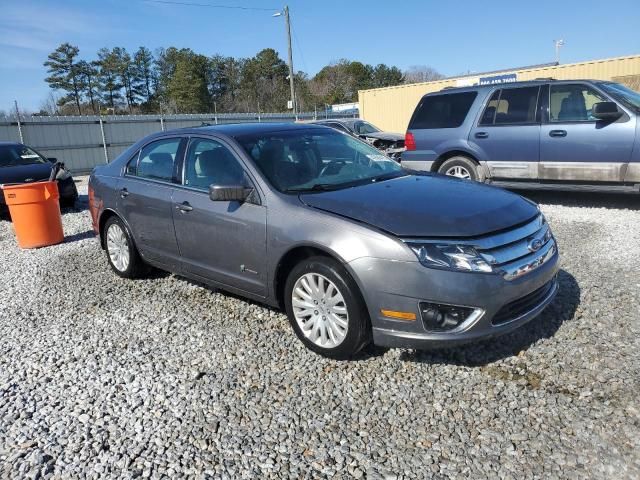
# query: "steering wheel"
[[332, 168]]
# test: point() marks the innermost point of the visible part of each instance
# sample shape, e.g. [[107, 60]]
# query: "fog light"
[[437, 317]]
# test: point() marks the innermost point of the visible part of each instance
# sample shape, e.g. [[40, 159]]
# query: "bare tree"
[[421, 73]]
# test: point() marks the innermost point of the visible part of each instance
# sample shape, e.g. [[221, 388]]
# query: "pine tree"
[[64, 73]]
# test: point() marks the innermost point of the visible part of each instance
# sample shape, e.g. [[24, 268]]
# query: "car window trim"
[[231, 150]]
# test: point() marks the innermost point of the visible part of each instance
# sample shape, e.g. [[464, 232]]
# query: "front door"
[[575, 146], [222, 241], [144, 199], [508, 134]]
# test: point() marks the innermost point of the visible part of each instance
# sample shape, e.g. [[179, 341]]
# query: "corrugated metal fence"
[[83, 142]]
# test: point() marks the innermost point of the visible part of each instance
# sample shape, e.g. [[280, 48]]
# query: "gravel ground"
[[104, 377]]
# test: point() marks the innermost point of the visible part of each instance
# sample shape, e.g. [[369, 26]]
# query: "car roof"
[[4, 144], [344, 121], [524, 83], [236, 129]]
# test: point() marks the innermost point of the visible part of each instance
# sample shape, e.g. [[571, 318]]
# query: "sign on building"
[[507, 78]]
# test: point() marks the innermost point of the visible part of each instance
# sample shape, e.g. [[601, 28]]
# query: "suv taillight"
[[409, 141]]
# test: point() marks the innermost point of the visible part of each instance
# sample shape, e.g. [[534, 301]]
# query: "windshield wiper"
[[388, 176]]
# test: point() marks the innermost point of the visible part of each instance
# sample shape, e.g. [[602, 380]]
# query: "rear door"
[[575, 146], [222, 241], [144, 198], [508, 133]]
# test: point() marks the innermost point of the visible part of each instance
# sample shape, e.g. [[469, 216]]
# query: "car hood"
[[427, 206], [393, 137], [25, 173]]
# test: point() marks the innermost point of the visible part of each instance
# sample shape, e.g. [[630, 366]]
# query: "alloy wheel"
[[118, 247], [458, 172], [320, 310]]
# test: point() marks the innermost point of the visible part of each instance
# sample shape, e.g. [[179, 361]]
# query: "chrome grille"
[[519, 251]]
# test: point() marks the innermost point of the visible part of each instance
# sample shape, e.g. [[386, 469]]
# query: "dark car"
[[391, 144], [22, 164], [355, 248], [540, 134]]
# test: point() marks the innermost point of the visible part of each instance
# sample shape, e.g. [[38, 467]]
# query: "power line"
[[210, 5], [295, 37]]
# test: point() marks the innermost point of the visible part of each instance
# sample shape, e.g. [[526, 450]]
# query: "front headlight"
[[450, 256]]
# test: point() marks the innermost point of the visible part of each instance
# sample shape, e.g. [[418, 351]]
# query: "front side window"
[[572, 103], [156, 160], [442, 111], [208, 162], [316, 160], [18, 155]]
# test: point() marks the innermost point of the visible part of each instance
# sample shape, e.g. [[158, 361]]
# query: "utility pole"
[[558, 44], [288, 27]]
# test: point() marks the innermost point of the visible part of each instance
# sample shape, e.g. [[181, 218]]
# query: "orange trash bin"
[[35, 213]]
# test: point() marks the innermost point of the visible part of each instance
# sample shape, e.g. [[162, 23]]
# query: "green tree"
[[145, 73], [385, 76], [187, 88], [89, 81], [64, 74], [110, 84]]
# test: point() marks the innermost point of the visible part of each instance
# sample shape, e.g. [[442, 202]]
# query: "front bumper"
[[401, 286]]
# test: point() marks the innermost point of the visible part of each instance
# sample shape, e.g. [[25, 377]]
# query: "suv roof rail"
[[545, 78], [449, 87]]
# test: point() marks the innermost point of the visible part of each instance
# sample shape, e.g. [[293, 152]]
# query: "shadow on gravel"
[[582, 199], [76, 237], [479, 354], [81, 205]]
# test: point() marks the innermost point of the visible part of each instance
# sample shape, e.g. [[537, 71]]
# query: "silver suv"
[[304, 217]]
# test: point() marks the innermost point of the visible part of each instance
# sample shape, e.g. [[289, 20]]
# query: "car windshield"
[[623, 94], [317, 160], [17, 155], [363, 128]]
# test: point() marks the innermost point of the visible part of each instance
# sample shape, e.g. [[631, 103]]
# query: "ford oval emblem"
[[535, 245]]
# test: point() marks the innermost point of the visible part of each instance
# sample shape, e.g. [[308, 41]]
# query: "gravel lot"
[[103, 377]]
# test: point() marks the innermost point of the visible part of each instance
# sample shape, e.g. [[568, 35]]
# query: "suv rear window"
[[442, 111]]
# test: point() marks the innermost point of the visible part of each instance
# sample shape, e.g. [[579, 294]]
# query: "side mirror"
[[229, 193], [606, 111], [52, 159]]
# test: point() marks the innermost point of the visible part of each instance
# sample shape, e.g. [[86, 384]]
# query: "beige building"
[[390, 108]]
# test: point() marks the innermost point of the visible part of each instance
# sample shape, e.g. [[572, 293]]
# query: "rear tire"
[[462, 167], [122, 253], [325, 308]]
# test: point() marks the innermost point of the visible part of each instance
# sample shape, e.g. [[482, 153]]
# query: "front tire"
[[325, 308], [463, 168], [122, 254]]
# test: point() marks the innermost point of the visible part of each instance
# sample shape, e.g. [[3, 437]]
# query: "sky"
[[454, 37]]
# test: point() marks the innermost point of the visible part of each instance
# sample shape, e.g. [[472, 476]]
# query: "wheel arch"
[[295, 255], [106, 214], [453, 153]]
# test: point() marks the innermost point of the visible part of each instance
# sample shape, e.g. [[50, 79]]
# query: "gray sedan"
[[354, 248]]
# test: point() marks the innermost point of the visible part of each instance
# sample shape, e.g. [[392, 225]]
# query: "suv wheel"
[[462, 167], [325, 308], [121, 252]]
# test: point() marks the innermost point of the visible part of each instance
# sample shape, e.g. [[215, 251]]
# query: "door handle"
[[482, 135], [124, 193], [558, 133], [184, 207]]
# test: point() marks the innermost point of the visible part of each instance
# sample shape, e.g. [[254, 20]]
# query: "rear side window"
[[157, 159], [511, 106], [442, 111]]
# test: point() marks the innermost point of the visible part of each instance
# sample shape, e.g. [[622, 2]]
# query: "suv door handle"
[[124, 193], [558, 133], [482, 135], [184, 207]]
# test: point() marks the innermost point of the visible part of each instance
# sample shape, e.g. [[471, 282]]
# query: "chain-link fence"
[[83, 142]]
